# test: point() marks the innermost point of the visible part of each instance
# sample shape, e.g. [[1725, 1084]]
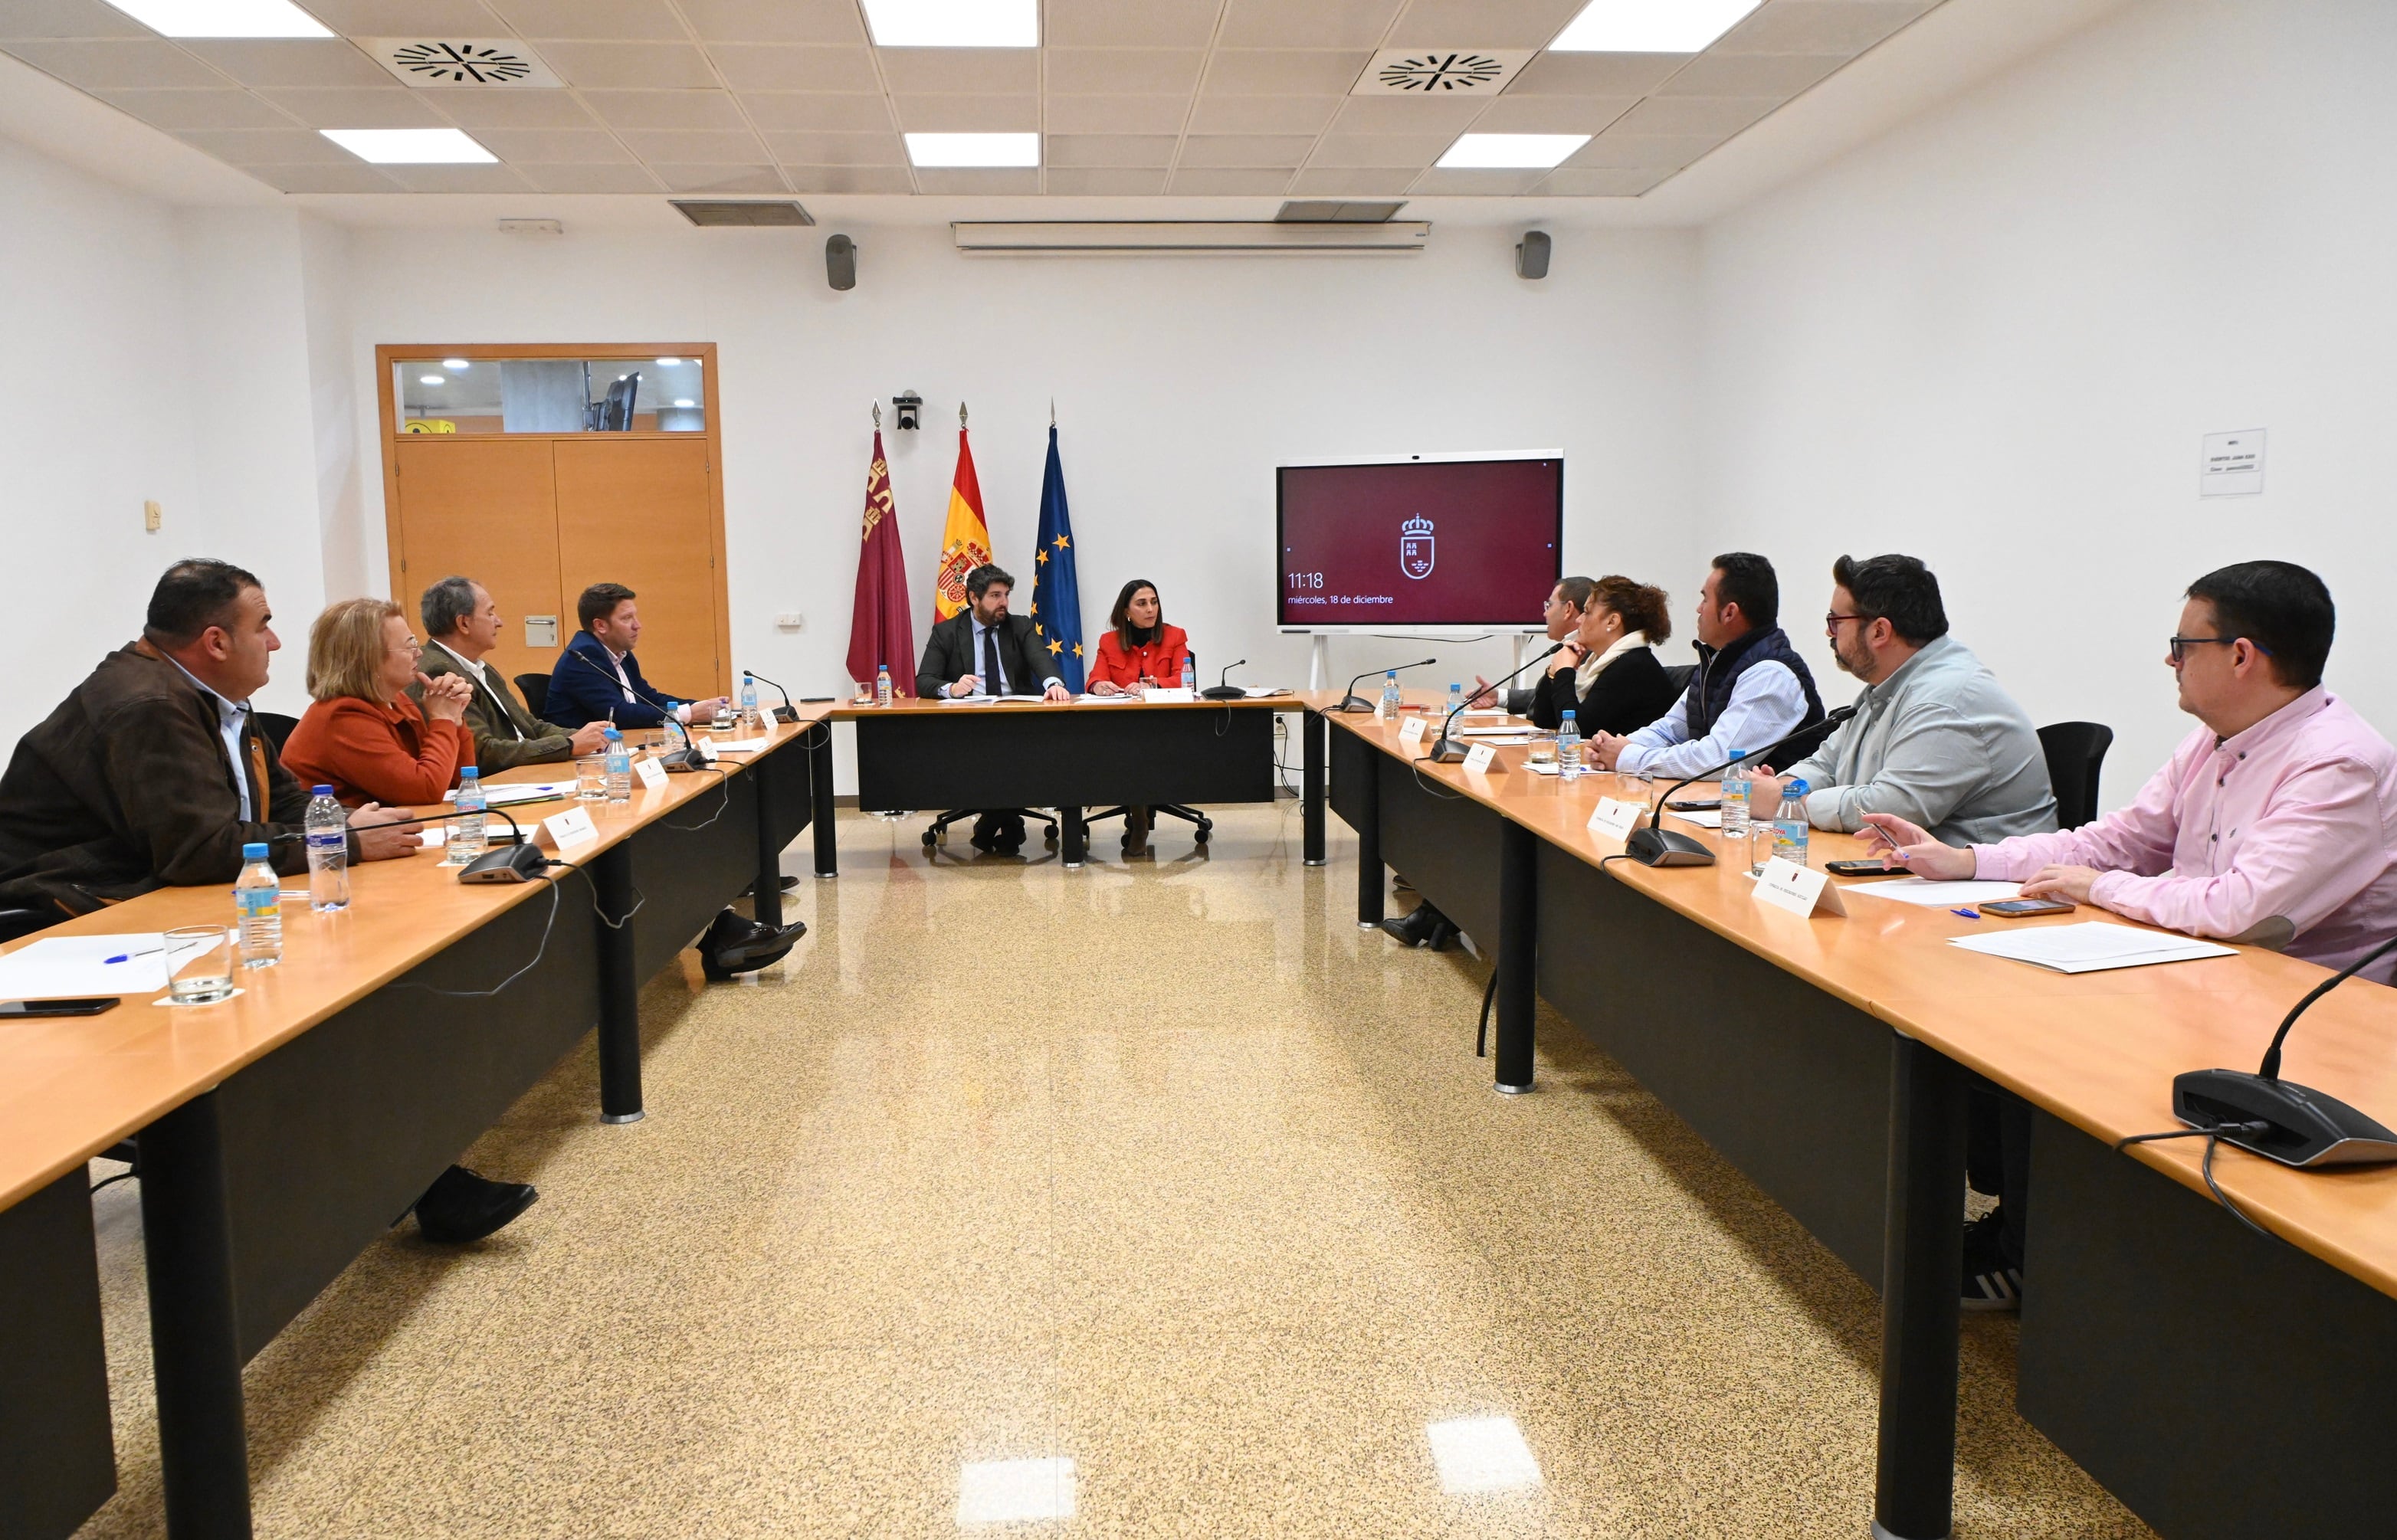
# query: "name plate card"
[[1797, 890], [707, 748], [1617, 817], [652, 772], [1411, 729], [1479, 757], [571, 827]]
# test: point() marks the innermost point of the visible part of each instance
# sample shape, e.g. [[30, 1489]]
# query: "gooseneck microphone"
[[1651, 846], [1351, 700], [1447, 750], [2300, 1127], [1222, 689], [783, 713]]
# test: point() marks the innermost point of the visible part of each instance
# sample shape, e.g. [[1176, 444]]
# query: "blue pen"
[[1966, 913]]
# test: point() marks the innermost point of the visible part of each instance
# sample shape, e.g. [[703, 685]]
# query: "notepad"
[[1936, 895], [77, 966], [2090, 946], [508, 795]]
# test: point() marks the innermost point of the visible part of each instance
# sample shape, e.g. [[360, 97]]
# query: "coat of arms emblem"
[[1414, 547]]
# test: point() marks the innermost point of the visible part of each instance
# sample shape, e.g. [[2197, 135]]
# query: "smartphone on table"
[[91, 1006], [2023, 908], [1694, 804], [1864, 868]]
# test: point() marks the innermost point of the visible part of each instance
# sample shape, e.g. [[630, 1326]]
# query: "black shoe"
[[1007, 837], [735, 943], [1400, 885], [986, 832], [1990, 1281], [1417, 926], [461, 1206], [1443, 934], [788, 884]]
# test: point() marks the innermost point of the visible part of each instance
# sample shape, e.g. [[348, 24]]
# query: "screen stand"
[[1319, 667], [1517, 664]]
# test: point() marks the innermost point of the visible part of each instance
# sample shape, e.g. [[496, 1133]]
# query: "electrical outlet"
[[791, 620], [151, 514]]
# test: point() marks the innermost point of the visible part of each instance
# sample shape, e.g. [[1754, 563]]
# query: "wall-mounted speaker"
[[840, 261], [1532, 255]]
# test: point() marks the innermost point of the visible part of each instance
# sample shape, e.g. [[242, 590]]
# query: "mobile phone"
[[93, 1006], [1863, 868], [2020, 908], [1694, 804]]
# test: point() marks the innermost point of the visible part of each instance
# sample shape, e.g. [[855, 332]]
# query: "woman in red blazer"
[[364, 737], [1138, 648]]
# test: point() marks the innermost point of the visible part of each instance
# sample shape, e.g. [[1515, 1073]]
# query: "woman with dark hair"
[[1617, 685], [1138, 648]]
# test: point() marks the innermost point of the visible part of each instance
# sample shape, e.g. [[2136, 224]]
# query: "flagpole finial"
[[1052, 411], [877, 417], [961, 416]]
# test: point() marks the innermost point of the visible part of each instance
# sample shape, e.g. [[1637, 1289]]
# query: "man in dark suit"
[[982, 649], [462, 626], [597, 679]]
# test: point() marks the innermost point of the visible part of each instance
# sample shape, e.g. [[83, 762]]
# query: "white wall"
[[1994, 338]]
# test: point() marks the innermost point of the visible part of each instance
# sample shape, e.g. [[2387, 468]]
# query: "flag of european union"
[[1056, 598]]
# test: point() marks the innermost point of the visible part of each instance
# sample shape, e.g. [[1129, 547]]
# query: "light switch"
[[791, 620], [150, 516], [541, 631]]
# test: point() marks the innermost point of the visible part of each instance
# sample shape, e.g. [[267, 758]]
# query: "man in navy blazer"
[[597, 679]]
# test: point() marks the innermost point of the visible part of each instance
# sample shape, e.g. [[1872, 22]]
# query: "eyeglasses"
[[2179, 645], [411, 647], [1832, 622]]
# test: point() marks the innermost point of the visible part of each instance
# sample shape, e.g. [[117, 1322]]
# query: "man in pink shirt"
[[2274, 824]]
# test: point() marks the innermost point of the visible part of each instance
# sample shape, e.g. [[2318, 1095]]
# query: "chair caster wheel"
[[1048, 837], [931, 839], [1201, 837]]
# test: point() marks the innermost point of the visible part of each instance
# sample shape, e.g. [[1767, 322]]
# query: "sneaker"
[[1990, 1281]]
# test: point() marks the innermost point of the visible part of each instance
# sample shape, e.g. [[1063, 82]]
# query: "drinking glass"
[[1543, 750], [1760, 847], [199, 964], [591, 778], [1637, 786]]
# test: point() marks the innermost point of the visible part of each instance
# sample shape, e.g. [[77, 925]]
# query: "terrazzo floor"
[[1153, 1198]]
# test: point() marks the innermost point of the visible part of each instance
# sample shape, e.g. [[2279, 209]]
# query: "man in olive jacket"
[[462, 623]]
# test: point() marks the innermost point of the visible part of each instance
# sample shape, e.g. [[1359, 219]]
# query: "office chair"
[[25, 922], [276, 728], [2076, 752], [1680, 673], [616, 411], [1168, 809], [534, 687], [939, 833]]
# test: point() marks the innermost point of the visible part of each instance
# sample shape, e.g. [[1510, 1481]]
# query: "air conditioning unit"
[[1051, 238]]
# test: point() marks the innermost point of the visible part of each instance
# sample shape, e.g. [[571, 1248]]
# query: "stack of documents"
[[2089, 947]]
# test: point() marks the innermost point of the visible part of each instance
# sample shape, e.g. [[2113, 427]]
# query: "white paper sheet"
[[1709, 819], [74, 967], [508, 795], [2089, 947], [1105, 700], [1935, 895], [741, 745]]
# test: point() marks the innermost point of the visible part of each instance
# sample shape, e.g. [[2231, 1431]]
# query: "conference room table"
[[2218, 1382], [282, 1131]]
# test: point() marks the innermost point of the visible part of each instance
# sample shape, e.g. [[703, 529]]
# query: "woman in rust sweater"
[[365, 737], [1138, 647]]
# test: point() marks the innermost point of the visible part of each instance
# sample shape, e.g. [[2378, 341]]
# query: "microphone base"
[[1651, 846], [1354, 702], [1446, 751], [1223, 693], [507, 863], [786, 714], [2308, 1129]]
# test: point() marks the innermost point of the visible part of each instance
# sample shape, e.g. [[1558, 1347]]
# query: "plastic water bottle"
[[1569, 762], [327, 827], [748, 703], [1189, 673], [467, 836], [1790, 826], [1455, 697], [1391, 699], [619, 768], [258, 902], [1735, 797], [882, 684]]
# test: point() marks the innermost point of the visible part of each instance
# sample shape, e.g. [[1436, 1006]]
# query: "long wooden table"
[[2219, 1384], [281, 1130]]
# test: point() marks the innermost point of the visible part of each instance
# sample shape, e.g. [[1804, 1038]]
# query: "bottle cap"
[[1796, 788], [468, 773], [611, 735], [320, 790], [253, 852]]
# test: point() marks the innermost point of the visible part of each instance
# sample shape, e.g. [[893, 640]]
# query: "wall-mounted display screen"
[[1456, 541]]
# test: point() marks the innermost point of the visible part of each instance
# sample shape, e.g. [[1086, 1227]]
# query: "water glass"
[[199, 964], [1543, 750], [1637, 786], [591, 778], [1761, 839]]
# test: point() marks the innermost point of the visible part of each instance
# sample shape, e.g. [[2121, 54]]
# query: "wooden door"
[[487, 509], [642, 512]]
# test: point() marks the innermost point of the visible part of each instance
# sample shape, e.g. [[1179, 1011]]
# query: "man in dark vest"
[[1751, 688]]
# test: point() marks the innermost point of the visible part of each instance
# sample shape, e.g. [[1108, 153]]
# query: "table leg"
[[819, 785], [194, 1332], [1368, 847], [766, 899], [1516, 966], [1921, 1264], [1312, 730], [1075, 842], [620, 987]]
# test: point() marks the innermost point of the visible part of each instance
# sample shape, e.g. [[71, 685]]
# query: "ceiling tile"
[[1117, 150], [968, 115], [1211, 183], [456, 179], [795, 67], [1595, 73], [321, 63], [662, 109], [985, 179], [1388, 149], [1353, 182], [1552, 115], [1717, 116], [353, 177], [849, 178], [706, 147], [1435, 182], [224, 109], [395, 107], [566, 178], [1599, 182], [1776, 75], [720, 179], [1253, 150], [1114, 24], [525, 109], [1117, 115], [406, 18], [1263, 114], [133, 63], [846, 113], [589, 146], [959, 72], [1653, 152], [1315, 24], [1483, 23], [883, 149], [621, 21], [269, 146], [1409, 115], [66, 18], [1104, 181], [1284, 72], [777, 20], [1820, 26], [1122, 70], [629, 65]]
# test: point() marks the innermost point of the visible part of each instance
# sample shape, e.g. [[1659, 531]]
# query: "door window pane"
[[549, 396]]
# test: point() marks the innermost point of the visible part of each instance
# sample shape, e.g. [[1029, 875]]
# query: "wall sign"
[[2231, 464]]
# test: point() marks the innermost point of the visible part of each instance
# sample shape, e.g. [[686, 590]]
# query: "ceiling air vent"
[[1441, 72], [751, 213], [470, 61]]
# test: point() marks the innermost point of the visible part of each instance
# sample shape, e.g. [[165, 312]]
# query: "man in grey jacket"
[[1934, 739]]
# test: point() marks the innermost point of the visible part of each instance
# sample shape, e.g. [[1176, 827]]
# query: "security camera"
[[910, 407]]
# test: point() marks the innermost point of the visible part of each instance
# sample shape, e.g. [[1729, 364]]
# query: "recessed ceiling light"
[[1510, 152], [974, 149], [431, 380], [410, 146], [1650, 26], [222, 18], [669, 363], [685, 401], [455, 363], [955, 23]]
